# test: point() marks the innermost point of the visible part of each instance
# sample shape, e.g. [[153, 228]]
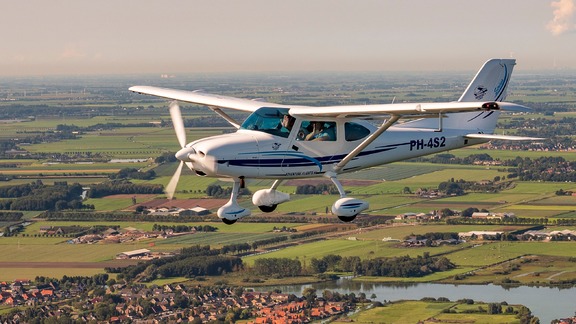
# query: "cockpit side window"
[[317, 131], [274, 121], [355, 131]]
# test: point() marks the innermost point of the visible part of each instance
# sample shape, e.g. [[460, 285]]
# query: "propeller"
[[178, 124], [171, 187]]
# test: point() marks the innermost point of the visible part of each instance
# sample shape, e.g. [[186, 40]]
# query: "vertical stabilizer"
[[491, 82]]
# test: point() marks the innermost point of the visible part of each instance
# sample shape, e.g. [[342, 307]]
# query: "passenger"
[[321, 133]]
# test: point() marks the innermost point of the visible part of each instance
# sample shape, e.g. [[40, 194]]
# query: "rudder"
[[489, 84], [491, 81]]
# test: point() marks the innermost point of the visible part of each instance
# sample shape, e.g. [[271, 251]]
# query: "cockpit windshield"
[[274, 121]]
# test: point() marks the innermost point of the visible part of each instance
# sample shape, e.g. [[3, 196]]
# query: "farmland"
[[132, 131]]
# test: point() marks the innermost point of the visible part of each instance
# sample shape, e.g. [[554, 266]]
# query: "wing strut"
[[385, 125], [227, 117]]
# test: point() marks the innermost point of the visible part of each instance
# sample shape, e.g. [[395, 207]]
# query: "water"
[[545, 302]]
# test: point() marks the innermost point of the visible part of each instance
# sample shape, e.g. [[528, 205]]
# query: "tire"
[[268, 209], [228, 221], [347, 219]]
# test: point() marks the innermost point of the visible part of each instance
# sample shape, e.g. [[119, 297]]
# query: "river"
[[545, 302]]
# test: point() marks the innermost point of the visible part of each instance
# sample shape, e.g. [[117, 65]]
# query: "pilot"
[[288, 122], [321, 133]]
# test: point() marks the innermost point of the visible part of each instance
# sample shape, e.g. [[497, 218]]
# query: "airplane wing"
[[204, 98], [404, 109], [504, 137]]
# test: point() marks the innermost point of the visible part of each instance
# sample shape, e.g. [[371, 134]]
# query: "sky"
[[78, 37]]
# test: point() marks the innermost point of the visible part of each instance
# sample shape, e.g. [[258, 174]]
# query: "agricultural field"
[[429, 312], [383, 187], [344, 247]]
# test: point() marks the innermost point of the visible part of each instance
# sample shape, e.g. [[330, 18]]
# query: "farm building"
[[480, 235], [133, 254]]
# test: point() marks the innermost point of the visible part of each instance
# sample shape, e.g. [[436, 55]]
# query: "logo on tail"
[[480, 92]]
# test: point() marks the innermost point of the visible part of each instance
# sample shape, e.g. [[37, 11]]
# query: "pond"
[[545, 302]]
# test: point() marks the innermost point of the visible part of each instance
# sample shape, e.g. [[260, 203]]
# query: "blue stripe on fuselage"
[[294, 159]]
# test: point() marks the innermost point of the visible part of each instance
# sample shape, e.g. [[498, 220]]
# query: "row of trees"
[[123, 187], [133, 173], [216, 191], [184, 228], [555, 169], [115, 216], [460, 187], [192, 261], [382, 267], [550, 168], [510, 220], [37, 196], [319, 189], [198, 266], [10, 216], [277, 267], [405, 266], [433, 236]]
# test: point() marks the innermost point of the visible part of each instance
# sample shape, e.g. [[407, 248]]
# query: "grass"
[[244, 228], [63, 252], [531, 270], [218, 239], [10, 274], [344, 248], [429, 312], [401, 312], [510, 154], [109, 204], [400, 231]]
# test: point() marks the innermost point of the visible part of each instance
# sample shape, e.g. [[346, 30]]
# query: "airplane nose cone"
[[186, 154]]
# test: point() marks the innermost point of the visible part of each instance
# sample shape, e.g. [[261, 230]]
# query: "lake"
[[545, 302]]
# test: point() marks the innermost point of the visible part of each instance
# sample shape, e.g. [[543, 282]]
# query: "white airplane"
[[280, 142]]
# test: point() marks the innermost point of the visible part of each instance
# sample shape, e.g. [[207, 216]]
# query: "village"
[[175, 302]]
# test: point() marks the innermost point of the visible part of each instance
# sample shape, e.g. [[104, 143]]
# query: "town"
[[119, 303]]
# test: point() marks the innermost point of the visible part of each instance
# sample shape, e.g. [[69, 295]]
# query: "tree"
[[309, 294], [469, 211]]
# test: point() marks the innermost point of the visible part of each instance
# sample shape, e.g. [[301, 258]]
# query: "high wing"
[[353, 111], [207, 99], [404, 109]]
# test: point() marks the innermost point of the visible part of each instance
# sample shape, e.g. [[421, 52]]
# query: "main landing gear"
[[268, 199], [345, 208], [231, 211]]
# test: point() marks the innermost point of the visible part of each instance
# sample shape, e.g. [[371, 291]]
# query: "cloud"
[[563, 20], [72, 52]]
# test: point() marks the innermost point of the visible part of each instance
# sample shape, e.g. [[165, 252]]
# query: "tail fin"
[[491, 82]]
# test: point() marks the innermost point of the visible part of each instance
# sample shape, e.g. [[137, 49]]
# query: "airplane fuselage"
[[259, 154]]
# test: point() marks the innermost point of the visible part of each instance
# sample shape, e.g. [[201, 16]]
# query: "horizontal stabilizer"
[[503, 137]]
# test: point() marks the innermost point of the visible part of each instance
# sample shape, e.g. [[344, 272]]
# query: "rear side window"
[[354, 132]]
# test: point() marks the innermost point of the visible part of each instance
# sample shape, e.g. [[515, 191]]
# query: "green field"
[[400, 231], [344, 248], [429, 312], [384, 192], [42, 252]]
